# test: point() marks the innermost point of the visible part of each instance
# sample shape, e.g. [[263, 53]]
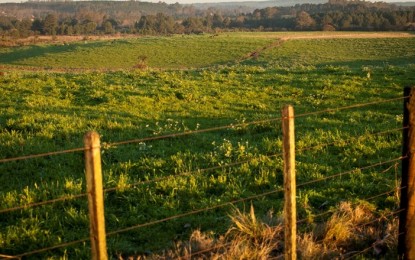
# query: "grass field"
[[161, 52], [193, 82]]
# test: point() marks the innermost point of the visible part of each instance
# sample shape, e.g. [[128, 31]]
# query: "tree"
[[346, 22], [37, 26], [217, 21], [164, 24], [89, 27], [24, 27], [193, 25], [108, 27], [6, 23], [147, 24], [304, 21], [50, 24]]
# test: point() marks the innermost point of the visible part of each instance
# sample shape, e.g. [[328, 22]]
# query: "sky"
[[209, 1]]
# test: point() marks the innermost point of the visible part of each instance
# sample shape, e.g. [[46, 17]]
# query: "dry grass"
[[351, 231], [251, 238]]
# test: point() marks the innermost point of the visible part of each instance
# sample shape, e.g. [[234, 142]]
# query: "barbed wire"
[[147, 139], [353, 254], [187, 214], [351, 139], [350, 107], [150, 223], [212, 129], [52, 247], [382, 217], [356, 253], [188, 173], [241, 162], [277, 257], [251, 123], [335, 209], [140, 140], [193, 212], [205, 251], [351, 171], [32, 156], [42, 203]]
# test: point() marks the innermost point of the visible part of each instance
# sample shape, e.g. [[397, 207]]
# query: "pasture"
[[52, 94]]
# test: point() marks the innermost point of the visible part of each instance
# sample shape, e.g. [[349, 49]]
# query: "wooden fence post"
[[290, 212], [95, 196], [406, 239]]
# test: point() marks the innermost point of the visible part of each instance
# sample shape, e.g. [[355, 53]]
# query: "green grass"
[[347, 52], [44, 111], [161, 52]]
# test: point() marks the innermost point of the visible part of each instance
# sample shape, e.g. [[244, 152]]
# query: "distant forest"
[[130, 17]]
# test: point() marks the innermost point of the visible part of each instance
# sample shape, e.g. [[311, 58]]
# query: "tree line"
[[176, 19]]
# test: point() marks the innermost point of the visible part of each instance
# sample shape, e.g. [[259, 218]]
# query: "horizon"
[[204, 1]]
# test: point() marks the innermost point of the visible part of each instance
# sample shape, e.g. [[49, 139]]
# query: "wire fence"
[[391, 162]]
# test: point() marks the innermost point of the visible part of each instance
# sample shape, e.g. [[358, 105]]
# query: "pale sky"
[[207, 1]]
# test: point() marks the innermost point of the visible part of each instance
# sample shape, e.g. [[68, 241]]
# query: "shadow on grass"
[[19, 54]]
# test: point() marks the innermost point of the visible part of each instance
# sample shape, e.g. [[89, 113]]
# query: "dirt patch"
[[324, 35], [353, 35]]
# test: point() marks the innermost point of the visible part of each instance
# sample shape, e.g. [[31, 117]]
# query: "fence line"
[[367, 223], [52, 247], [351, 171], [193, 212], [382, 217], [212, 129], [186, 214], [188, 173], [25, 157], [169, 176], [230, 126], [167, 219], [333, 210], [42, 203], [199, 171], [205, 250], [354, 254], [350, 139], [350, 107], [139, 140]]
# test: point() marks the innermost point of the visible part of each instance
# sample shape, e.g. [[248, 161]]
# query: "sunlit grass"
[[42, 112], [160, 52]]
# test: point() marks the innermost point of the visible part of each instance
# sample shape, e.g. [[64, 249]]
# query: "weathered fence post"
[[95, 195], [406, 239], [290, 219]]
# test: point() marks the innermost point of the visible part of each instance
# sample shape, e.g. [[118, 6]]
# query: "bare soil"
[[9, 42], [346, 35]]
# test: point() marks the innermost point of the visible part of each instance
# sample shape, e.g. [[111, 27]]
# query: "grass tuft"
[[350, 231]]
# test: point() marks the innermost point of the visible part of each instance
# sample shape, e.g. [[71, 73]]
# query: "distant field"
[[194, 82], [160, 52], [179, 52]]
